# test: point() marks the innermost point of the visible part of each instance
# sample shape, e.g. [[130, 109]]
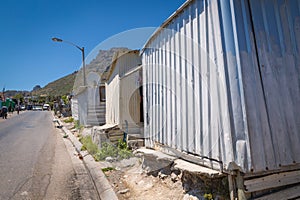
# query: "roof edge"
[[165, 23]]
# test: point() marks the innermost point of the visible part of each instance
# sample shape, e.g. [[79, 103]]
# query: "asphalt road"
[[34, 163]]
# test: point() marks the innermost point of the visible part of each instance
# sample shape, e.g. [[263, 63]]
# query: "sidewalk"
[[93, 168]]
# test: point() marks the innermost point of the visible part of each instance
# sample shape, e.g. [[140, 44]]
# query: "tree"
[[20, 97]]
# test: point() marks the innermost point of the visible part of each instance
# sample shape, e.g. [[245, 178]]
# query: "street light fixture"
[[82, 51]]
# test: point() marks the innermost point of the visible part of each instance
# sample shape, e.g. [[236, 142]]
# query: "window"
[[102, 93]]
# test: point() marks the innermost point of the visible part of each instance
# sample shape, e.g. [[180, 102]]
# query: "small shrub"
[[122, 144], [124, 154], [120, 151], [87, 144], [107, 150]]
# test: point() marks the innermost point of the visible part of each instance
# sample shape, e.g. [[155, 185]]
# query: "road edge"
[[101, 183]]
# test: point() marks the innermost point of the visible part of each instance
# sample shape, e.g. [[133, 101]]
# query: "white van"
[[46, 106]]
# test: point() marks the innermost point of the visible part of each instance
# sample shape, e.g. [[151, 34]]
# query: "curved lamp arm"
[[54, 39]]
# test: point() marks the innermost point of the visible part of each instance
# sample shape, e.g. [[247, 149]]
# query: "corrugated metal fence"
[[222, 82]]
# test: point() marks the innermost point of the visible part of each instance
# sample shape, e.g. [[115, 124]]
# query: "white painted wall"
[[120, 87]]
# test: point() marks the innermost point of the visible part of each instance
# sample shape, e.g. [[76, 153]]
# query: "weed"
[[77, 125], [87, 144], [107, 150], [208, 196], [119, 151], [124, 154], [122, 144], [69, 120], [108, 169], [83, 148]]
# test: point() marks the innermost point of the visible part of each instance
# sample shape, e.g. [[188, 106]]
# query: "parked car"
[[37, 108], [23, 107], [29, 107], [46, 106]]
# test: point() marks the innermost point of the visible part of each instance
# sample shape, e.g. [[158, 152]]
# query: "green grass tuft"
[[69, 120], [119, 151], [108, 169], [87, 144]]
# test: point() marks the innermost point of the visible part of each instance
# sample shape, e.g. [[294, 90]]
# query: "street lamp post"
[[83, 56]]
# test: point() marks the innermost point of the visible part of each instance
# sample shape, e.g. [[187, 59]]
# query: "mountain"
[[104, 59], [59, 87], [71, 82]]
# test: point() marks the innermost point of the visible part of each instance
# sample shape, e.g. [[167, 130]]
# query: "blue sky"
[[29, 57]]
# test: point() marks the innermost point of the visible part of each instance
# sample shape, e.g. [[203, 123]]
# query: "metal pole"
[[83, 66], [83, 56]]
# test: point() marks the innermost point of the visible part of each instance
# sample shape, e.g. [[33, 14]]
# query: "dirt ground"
[[133, 183], [130, 181]]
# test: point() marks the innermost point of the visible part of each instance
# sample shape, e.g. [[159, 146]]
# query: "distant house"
[[79, 106], [124, 105], [88, 103]]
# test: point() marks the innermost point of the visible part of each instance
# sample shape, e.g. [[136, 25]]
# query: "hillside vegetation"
[[66, 85], [60, 87]]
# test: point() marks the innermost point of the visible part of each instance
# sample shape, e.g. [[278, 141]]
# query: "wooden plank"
[[272, 181], [116, 134], [289, 193]]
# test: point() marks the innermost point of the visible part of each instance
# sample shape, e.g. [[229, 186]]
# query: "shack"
[[88, 104], [221, 82], [124, 104], [123, 83]]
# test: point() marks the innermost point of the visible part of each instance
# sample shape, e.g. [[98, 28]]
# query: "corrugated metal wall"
[[215, 88], [276, 26], [186, 98]]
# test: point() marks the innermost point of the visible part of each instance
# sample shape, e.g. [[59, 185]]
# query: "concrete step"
[[98, 108], [96, 114], [97, 111], [95, 121], [95, 118]]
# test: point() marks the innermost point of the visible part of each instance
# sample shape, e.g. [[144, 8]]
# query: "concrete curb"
[[102, 185]]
